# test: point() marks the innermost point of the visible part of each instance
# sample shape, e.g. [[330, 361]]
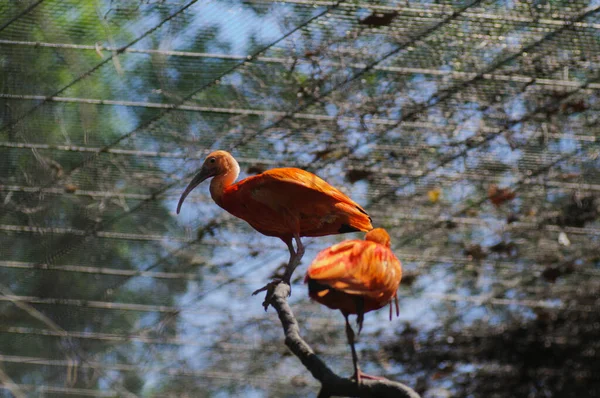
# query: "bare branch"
[[331, 383]]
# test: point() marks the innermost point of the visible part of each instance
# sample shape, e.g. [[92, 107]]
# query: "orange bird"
[[287, 203], [356, 276]]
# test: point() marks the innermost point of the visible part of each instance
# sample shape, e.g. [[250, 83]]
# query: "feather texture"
[[354, 269], [280, 202]]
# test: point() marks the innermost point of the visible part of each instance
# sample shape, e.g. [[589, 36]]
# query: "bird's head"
[[378, 235], [217, 163]]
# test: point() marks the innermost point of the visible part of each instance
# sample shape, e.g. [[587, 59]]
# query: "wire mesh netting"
[[469, 130]]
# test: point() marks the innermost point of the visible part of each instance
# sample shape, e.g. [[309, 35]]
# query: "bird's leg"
[[295, 258], [360, 312], [350, 336], [300, 246], [289, 269], [290, 246], [358, 374], [397, 307], [293, 254]]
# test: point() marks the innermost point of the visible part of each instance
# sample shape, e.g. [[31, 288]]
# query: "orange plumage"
[[287, 202], [356, 276], [281, 202]]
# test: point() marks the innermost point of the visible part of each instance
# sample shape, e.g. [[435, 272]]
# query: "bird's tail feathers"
[[356, 218]]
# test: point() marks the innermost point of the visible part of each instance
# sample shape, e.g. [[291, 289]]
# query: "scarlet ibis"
[[286, 203], [356, 276]]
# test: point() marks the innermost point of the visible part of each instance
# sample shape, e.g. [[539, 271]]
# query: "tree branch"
[[331, 383]]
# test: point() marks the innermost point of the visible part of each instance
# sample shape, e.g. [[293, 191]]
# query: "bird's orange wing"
[[308, 180], [274, 200], [302, 179], [359, 268], [333, 266]]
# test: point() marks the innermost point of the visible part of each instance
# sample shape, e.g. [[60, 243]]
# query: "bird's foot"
[[358, 376], [270, 289]]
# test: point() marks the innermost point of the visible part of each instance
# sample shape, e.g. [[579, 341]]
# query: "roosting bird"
[[356, 276], [286, 203]]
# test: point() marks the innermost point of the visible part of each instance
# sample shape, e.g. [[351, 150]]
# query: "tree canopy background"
[[469, 130]]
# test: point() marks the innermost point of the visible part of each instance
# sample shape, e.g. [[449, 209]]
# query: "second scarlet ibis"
[[356, 276], [286, 203]]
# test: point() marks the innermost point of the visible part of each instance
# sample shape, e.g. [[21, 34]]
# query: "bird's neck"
[[220, 182]]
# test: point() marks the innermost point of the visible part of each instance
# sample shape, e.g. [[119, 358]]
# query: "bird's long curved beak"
[[198, 178]]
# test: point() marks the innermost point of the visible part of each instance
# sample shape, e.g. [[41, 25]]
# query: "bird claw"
[[358, 377], [270, 289]]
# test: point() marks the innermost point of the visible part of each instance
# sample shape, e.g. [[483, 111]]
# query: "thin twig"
[[331, 383]]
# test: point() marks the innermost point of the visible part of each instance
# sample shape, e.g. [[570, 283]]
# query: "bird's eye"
[[212, 160]]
